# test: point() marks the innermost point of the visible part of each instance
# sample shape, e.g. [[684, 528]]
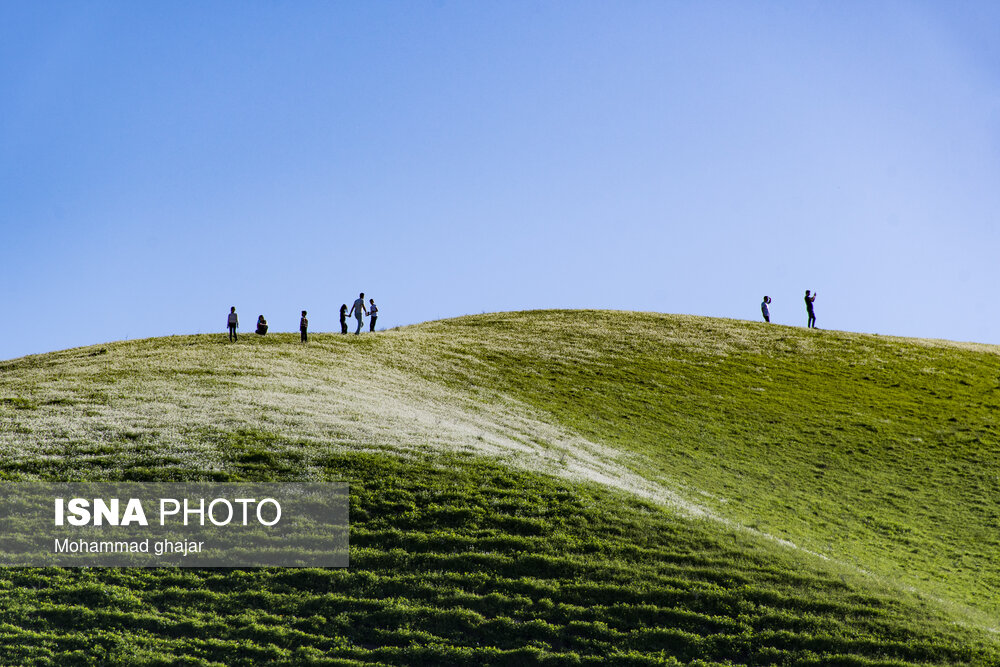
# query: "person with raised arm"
[[809, 309]]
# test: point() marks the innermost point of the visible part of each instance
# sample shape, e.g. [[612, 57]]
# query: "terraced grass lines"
[[460, 561]]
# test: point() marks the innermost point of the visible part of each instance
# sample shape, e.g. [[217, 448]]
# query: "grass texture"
[[554, 487]]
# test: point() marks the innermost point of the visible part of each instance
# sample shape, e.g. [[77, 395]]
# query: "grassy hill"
[[556, 487]]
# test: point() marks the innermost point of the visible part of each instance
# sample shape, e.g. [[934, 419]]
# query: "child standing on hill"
[[343, 318], [303, 327], [373, 309], [765, 311], [233, 323]]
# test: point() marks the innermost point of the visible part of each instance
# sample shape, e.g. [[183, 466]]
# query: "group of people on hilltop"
[[810, 299], [359, 310]]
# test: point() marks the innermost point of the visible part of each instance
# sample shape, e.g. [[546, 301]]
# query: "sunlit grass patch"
[[786, 430]]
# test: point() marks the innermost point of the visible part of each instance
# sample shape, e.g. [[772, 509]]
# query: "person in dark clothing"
[[233, 322], [809, 310], [373, 309], [261, 326], [764, 310], [343, 318], [303, 327]]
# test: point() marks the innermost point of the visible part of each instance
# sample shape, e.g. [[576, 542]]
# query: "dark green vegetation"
[[458, 561], [880, 454]]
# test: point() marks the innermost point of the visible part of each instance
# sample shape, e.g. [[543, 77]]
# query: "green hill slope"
[[550, 487]]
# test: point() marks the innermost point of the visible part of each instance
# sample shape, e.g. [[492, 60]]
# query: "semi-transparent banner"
[[174, 525]]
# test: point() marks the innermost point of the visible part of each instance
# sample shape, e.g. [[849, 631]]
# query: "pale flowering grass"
[[170, 396]]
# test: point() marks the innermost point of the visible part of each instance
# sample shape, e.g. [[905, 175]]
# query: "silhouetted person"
[[764, 310], [233, 322], [343, 318], [261, 325], [374, 312], [304, 327], [809, 309], [358, 310]]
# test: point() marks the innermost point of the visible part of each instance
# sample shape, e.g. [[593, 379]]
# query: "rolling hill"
[[548, 487]]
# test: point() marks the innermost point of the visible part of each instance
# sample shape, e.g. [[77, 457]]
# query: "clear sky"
[[161, 162]]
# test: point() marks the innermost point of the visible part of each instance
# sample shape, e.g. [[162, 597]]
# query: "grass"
[[879, 452], [550, 488], [457, 560]]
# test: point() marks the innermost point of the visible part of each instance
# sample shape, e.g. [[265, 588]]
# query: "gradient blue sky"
[[160, 162]]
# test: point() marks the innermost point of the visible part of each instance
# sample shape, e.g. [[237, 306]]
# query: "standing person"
[[765, 311], [233, 322], [304, 327], [358, 310], [374, 311], [809, 309], [343, 318]]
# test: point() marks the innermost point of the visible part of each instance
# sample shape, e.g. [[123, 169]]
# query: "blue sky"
[[160, 162]]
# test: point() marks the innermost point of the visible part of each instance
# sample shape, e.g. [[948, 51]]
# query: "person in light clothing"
[[373, 309], [358, 310], [765, 311], [233, 323]]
